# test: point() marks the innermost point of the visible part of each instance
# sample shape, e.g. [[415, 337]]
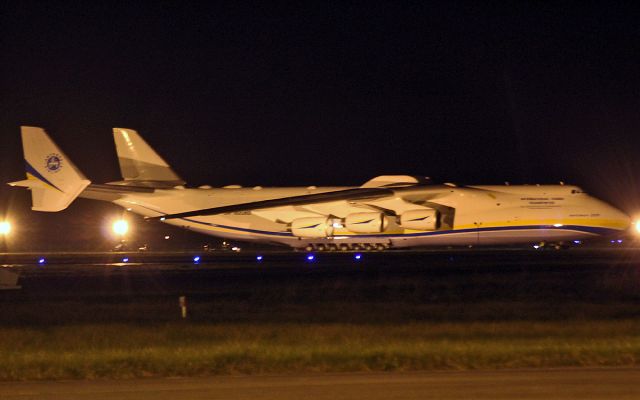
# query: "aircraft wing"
[[357, 194]]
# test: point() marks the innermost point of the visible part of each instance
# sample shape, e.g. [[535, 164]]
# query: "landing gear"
[[346, 247], [552, 246]]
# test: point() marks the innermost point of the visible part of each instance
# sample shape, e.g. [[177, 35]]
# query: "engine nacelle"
[[312, 227], [420, 220], [366, 222]]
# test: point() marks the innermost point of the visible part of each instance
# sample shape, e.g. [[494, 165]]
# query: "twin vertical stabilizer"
[[140, 165], [55, 182], [53, 179]]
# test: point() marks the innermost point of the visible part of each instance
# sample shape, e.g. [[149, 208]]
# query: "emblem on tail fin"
[[48, 168], [53, 162]]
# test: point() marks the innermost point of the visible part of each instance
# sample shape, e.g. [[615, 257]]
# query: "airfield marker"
[[183, 306]]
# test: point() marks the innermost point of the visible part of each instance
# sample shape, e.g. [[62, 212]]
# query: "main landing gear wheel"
[[334, 247]]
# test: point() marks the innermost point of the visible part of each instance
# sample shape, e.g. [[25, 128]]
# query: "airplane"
[[388, 211]]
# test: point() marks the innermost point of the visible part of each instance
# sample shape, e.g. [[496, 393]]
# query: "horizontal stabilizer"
[[28, 183]]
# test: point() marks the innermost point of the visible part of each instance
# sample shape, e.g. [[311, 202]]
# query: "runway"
[[288, 287], [548, 384]]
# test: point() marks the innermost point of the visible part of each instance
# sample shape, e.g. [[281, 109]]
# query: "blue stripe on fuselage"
[[579, 228]]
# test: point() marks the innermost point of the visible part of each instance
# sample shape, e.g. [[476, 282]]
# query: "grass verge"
[[123, 351]]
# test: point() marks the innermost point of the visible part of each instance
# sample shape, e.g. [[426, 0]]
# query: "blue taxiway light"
[[196, 259], [258, 258], [311, 257], [124, 260], [41, 261], [358, 256]]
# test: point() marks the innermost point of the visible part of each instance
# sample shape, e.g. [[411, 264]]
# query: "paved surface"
[[616, 384], [393, 287]]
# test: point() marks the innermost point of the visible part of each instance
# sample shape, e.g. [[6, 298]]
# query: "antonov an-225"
[[386, 212]]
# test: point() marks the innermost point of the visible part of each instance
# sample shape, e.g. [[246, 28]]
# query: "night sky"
[[328, 94]]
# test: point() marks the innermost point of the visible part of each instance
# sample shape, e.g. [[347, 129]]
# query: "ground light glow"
[[637, 226], [120, 227], [5, 228]]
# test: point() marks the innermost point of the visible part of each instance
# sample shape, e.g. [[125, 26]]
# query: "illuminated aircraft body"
[[387, 211]]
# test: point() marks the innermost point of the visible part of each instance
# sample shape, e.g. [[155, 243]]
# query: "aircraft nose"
[[619, 218]]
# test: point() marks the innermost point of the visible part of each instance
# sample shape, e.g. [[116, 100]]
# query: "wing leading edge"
[[357, 194]]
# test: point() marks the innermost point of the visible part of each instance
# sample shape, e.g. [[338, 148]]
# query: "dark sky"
[[330, 94]]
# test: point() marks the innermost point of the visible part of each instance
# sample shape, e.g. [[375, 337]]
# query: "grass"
[[183, 349], [119, 323]]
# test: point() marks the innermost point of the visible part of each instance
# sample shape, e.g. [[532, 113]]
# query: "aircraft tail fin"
[[53, 179], [140, 165]]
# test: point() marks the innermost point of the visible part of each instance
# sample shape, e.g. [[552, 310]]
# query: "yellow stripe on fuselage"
[[586, 222]]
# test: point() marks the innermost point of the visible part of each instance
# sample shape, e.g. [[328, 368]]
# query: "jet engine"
[[312, 227], [420, 220], [366, 222]]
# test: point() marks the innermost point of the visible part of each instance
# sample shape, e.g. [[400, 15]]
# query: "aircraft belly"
[[532, 235], [496, 237]]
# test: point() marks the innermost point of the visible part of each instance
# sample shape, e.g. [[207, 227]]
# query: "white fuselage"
[[470, 215], [386, 211]]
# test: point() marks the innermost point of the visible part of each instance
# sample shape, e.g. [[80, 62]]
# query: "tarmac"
[[387, 287], [547, 384]]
